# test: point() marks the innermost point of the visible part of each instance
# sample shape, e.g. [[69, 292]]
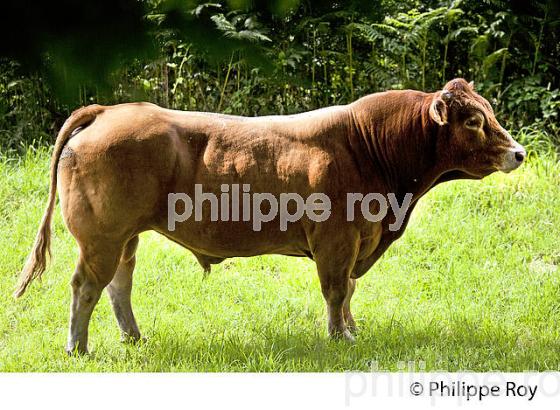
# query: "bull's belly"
[[237, 239]]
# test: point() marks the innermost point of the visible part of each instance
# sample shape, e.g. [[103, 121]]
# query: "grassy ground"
[[472, 285]]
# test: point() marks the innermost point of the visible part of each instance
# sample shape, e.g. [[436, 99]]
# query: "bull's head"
[[471, 140]]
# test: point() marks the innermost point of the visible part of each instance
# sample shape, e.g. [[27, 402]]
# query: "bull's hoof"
[[345, 335], [348, 336]]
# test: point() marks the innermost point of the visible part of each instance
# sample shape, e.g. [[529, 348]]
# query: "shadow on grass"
[[463, 346]]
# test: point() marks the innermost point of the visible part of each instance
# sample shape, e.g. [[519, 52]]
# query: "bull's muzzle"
[[513, 158], [514, 155]]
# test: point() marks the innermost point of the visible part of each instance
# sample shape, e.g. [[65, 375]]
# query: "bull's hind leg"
[[95, 269], [119, 291]]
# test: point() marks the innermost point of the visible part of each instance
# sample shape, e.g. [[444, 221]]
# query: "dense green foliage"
[[247, 58], [472, 285]]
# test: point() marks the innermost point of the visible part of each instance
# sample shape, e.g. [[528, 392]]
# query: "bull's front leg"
[[350, 323], [334, 265]]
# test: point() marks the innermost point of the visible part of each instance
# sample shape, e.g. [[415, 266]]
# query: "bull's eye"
[[473, 122]]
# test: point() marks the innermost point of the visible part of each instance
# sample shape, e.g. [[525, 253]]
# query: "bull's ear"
[[471, 85], [438, 110]]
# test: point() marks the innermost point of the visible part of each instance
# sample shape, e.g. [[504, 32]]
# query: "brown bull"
[[115, 167]]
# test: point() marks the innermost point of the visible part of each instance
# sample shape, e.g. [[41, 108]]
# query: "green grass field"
[[472, 285]]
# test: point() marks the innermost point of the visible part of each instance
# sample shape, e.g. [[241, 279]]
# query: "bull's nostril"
[[520, 156]]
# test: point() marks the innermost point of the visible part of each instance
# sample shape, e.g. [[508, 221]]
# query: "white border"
[[260, 391]]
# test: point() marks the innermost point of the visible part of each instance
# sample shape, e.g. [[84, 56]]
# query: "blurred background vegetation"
[[277, 57]]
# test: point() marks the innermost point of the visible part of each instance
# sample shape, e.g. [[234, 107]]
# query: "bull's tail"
[[37, 259]]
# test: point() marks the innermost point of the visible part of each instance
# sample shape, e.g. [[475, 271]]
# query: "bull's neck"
[[398, 139]]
